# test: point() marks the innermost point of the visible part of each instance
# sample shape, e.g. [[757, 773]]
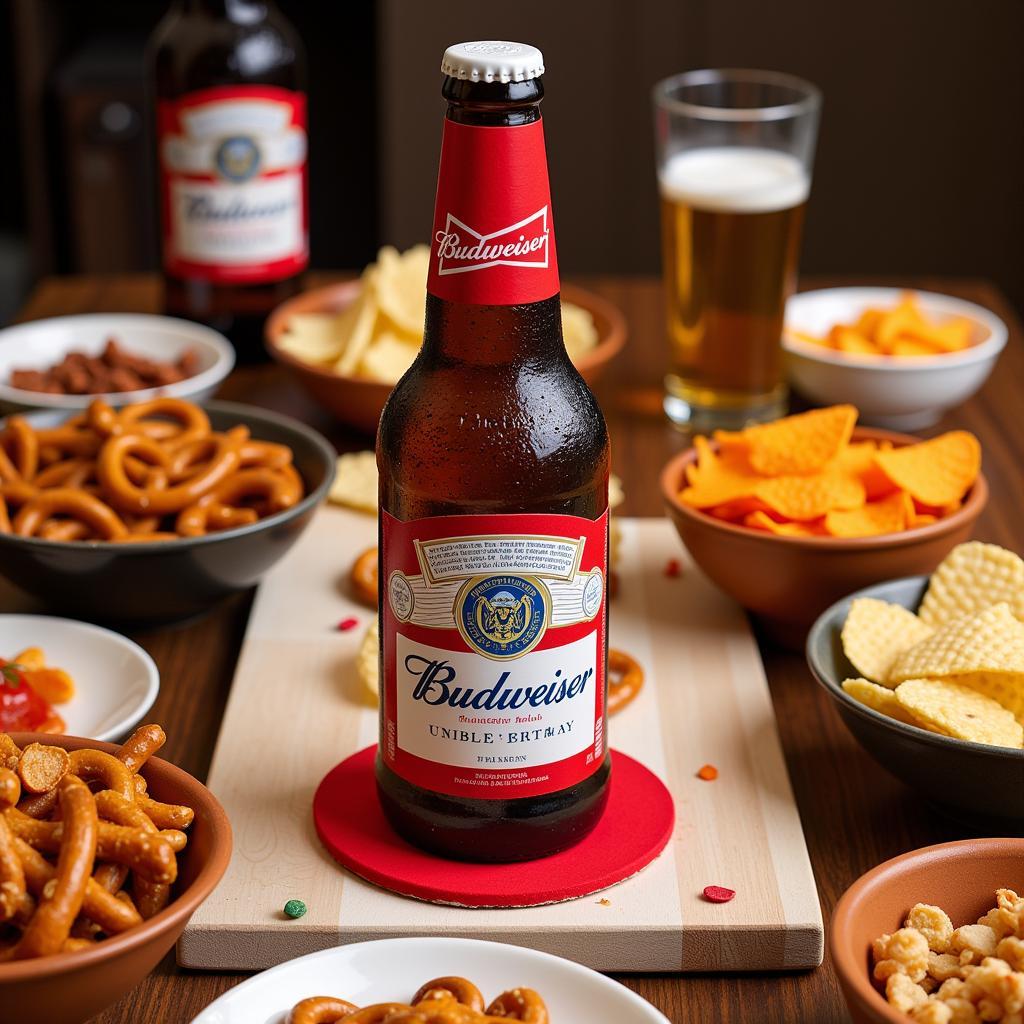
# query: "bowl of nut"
[[64, 362], [100, 884], [935, 936]]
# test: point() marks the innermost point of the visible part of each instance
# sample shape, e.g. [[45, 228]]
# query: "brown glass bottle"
[[228, 78], [492, 420]]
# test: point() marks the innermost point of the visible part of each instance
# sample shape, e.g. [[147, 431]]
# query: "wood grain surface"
[[854, 814]]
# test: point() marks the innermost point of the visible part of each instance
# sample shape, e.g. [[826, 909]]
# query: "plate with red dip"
[[96, 683]]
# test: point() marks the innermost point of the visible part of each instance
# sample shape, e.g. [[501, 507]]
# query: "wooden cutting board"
[[297, 708]]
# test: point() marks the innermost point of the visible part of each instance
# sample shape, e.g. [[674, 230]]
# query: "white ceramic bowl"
[[902, 394], [393, 969], [116, 681], [39, 344]]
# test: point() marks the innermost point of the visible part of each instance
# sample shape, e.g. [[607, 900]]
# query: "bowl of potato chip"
[[903, 358], [349, 343], [788, 517], [927, 672]]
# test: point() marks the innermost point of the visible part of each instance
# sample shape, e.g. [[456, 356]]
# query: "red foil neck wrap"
[[493, 242], [493, 647]]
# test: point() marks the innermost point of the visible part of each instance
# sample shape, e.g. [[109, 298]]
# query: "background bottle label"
[[233, 184], [493, 652], [493, 241]]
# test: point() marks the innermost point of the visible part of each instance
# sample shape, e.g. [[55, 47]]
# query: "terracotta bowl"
[[788, 581], [961, 877], [72, 987], [975, 783], [358, 402]]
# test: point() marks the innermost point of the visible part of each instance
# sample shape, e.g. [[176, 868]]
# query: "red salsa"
[[21, 708]]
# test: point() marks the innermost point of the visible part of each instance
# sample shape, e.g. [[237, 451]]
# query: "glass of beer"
[[734, 152]]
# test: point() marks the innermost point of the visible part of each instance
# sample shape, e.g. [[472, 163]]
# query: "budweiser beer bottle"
[[493, 458], [231, 154]]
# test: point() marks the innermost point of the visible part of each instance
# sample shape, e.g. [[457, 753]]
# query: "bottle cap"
[[493, 60]]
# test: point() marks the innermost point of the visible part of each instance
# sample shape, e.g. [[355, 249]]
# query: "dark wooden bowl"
[[788, 581]]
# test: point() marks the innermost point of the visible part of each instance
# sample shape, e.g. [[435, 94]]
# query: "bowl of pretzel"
[[105, 853], [153, 512]]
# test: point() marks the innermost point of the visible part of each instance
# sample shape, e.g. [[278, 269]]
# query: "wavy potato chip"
[[810, 497], [401, 284], [991, 641], [958, 711], [388, 357], [759, 520], [936, 472], [876, 632], [355, 482], [313, 337], [887, 515], [1007, 688], [881, 699], [972, 577]]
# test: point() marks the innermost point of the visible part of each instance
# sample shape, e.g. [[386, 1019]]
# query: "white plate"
[[392, 969], [39, 344], [116, 681]]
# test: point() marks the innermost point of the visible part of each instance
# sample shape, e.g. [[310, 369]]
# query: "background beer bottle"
[[229, 82], [493, 458]]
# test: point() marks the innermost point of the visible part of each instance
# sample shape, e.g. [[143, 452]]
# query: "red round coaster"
[[634, 829]]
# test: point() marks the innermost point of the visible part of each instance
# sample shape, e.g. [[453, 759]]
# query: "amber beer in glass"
[[493, 458], [734, 174]]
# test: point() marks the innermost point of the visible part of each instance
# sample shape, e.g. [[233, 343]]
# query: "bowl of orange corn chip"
[[788, 517], [903, 358]]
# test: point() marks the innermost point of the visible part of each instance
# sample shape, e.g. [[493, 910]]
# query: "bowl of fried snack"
[[903, 358], [105, 853], [153, 512], [64, 362], [787, 517], [350, 343], [927, 673], [935, 936]]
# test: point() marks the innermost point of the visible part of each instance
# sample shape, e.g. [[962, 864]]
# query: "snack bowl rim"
[[342, 293], [243, 413], [176, 913], [988, 348], [855, 978], [975, 500], [194, 333], [829, 620]]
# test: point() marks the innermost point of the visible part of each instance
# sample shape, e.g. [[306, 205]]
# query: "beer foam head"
[[735, 179]]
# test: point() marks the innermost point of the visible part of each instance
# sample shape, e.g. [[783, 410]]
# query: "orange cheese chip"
[[763, 521], [937, 472], [718, 478], [803, 498], [889, 515], [847, 339]]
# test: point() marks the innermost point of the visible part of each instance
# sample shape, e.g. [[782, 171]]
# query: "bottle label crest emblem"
[[493, 640], [494, 245], [233, 184]]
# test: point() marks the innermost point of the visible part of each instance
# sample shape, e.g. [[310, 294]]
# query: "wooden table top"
[[854, 815]]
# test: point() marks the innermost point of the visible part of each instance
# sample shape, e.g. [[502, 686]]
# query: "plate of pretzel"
[[440, 980]]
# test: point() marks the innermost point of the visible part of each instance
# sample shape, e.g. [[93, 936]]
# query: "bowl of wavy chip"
[[928, 673], [349, 343], [789, 516], [903, 358]]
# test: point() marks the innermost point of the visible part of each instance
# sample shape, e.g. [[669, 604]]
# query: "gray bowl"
[[978, 784], [134, 585]]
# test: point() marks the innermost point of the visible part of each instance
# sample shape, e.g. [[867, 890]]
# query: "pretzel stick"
[[60, 903], [111, 877], [12, 875], [10, 752], [141, 746], [10, 788]]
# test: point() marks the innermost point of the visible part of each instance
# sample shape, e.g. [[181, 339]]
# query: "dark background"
[[919, 160]]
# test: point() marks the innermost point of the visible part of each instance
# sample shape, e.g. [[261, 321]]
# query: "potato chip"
[[992, 641], [876, 632], [355, 482], [401, 284], [971, 578], [719, 478], [879, 698], [935, 472], [356, 324], [888, 515], [912, 347], [848, 339], [367, 663], [1007, 688], [579, 332], [387, 358], [762, 521], [800, 444], [313, 337], [810, 497], [958, 711]]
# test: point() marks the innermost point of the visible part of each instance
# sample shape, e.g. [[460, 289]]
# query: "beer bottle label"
[[493, 652], [232, 163], [493, 240]]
